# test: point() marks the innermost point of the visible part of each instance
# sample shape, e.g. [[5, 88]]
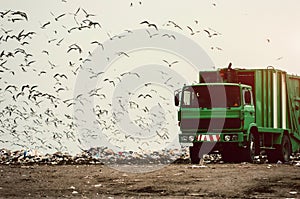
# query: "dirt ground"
[[170, 181]]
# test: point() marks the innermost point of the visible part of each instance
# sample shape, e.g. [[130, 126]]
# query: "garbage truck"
[[240, 113]]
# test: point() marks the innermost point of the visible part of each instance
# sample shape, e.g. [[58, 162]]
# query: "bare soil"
[[170, 181]]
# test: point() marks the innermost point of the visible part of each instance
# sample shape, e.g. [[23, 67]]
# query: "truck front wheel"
[[194, 153], [252, 148]]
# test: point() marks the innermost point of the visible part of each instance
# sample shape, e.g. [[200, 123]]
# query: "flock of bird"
[[36, 110]]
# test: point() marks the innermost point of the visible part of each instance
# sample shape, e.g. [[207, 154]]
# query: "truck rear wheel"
[[282, 152], [194, 153]]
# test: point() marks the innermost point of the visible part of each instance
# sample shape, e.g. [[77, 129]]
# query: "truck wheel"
[[282, 152], [194, 153], [252, 148]]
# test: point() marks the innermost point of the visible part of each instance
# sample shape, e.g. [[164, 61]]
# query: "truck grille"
[[212, 123]]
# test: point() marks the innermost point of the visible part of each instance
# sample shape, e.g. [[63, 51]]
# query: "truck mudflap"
[[188, 139]]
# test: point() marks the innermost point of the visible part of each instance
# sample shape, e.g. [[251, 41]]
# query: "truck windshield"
[[208, 96]]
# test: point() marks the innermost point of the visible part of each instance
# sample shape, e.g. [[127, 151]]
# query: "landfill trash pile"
[[104, 155], [91, 156], [29, 157], [108, 156]]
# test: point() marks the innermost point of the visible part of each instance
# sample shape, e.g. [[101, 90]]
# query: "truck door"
[[249, 110]]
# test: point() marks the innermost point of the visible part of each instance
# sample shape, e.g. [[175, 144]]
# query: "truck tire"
[[252, 149], [194, 153], [282, 152]]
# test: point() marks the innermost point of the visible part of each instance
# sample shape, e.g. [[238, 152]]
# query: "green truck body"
[[240, 113]]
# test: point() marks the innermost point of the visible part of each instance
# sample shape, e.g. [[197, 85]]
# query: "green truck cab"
[[240, 112]]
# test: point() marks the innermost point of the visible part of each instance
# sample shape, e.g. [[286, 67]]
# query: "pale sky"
[[250, 34], [246, 26]]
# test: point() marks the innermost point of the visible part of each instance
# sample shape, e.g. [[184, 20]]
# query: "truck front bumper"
[[187, 139]]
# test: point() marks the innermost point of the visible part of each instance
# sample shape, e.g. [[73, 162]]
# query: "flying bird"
[[6, 31], [192, 31], [122, 53], [175, 25], [149, 24], [110, 81], [25, 86], [96, 75], [145, 96], [2, 14], [74, 47], [169, 36], [60, 89], [59, 16], [20, 13], [151, 35], [210, 34], [60, 75], [130, 73], [45, 24], [59, 42], [170, 64], [92, 23], [87, 15], [98, 43]]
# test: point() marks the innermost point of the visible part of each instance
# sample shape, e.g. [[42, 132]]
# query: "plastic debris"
[[293, 192]]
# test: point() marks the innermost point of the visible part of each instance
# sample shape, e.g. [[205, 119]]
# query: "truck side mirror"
[[176, 99]]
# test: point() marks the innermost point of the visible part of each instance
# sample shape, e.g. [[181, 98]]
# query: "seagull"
[[60, 75], [91, 23], [74, 47], [96, 75], [22, 14], [149, 24], [45, 51], [209, 34], [175, 25], [6, 31], [122, 53], [58, 43], [2, 14], [145, 96], [86, 14], [130, 73], [45, 24], [169, 36], [110, 81], [25, 86], [192, 31], [170, 64], [98, 43], [151, 35], [59, 16]]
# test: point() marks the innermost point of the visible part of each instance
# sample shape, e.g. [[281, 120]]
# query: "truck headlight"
[[184, 138], [227, 137], [234, 137], [191, 138]]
